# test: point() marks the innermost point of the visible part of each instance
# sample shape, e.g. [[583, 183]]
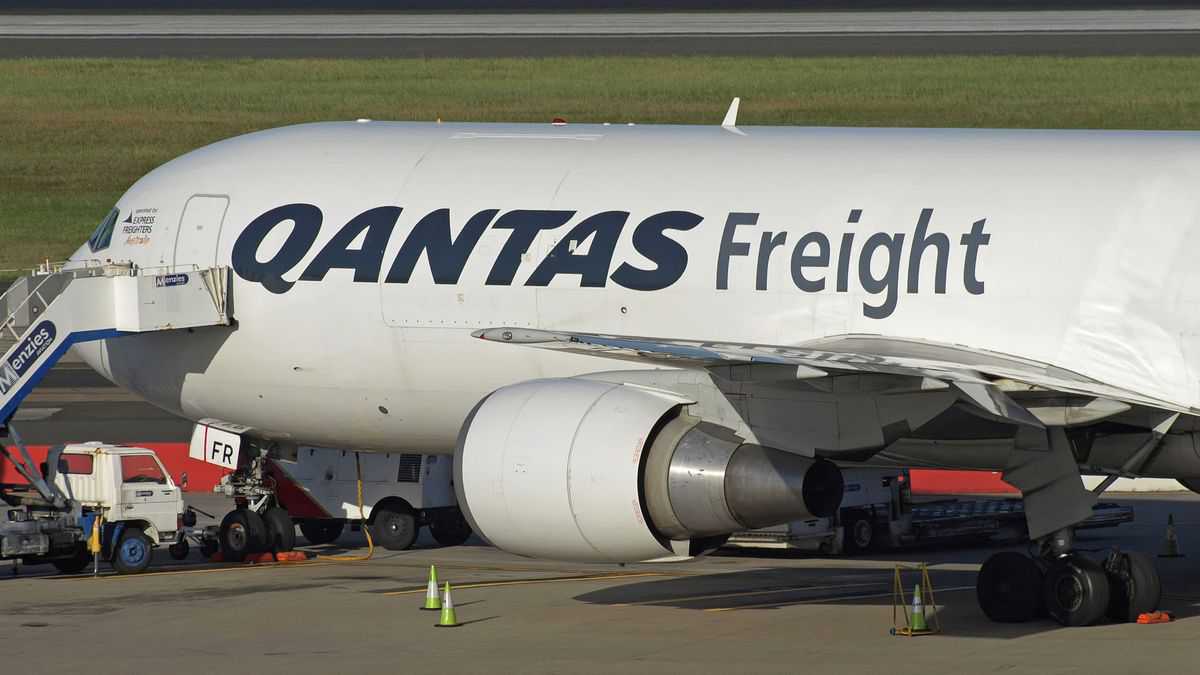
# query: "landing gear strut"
[[1069, 587]]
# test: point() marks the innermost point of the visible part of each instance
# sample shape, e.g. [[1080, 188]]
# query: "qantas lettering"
[[812, 259]]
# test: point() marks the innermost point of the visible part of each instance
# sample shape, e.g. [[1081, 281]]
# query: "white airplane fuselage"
[[354, 308]]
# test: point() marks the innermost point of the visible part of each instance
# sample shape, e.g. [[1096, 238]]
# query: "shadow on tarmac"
[[868, 579]]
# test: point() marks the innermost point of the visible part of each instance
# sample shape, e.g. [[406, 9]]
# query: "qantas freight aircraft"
[[636, 340]]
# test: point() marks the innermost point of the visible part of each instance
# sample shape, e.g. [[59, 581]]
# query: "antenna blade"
[[731, 114]]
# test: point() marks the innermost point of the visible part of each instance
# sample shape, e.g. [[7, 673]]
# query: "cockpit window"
[[102, 237]]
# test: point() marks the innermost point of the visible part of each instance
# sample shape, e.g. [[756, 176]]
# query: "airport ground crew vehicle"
[[86, 496]]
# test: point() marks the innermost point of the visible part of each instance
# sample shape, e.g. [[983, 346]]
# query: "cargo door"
[[199, 231]]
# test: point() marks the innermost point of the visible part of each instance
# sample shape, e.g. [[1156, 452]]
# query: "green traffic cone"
[[433, 601], [918, 624], [448, 620]]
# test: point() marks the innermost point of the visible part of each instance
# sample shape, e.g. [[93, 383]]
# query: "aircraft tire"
[[325, 531], [394, 527], [1134, 586], [1076, 591], [242, 533], [449, 527], [1009, 588], [281, 531]]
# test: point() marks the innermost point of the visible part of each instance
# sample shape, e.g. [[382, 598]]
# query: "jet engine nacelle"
[[576, 469]]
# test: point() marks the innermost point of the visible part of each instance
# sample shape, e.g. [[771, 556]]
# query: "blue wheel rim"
[[134, 551]]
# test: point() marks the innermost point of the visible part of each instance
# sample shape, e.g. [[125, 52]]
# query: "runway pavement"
[[1087, 32]]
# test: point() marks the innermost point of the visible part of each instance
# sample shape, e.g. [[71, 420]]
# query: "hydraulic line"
[[362, 515]]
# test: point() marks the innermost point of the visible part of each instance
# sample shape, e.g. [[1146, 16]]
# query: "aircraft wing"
[[982, 375]]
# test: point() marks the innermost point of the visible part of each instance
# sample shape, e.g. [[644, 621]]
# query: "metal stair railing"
[[48, 282]]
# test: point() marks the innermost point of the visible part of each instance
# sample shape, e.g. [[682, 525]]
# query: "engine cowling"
[[576, 469]]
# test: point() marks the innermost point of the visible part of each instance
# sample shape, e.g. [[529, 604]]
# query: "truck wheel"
[[281, 531], [449, 527], [1076, 591], [394, 527], [76, 563], [242, 533], [133, 552], [180, 549], [319, 532], [859, 533], [1133, 584], [1009, 587]]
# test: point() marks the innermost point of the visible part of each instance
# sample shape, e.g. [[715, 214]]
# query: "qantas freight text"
[[816, 261]]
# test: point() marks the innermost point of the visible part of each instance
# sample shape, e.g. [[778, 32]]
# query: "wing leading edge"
[[983, 376]]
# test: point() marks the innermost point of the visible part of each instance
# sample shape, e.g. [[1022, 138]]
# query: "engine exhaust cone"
[[701, 480]]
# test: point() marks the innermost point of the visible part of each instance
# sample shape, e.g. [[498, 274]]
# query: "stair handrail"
[[36, 292]]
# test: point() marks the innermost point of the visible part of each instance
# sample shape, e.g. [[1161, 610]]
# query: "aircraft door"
[[199, 230]]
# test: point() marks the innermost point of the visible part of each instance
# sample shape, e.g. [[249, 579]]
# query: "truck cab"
[[122, 495], [130, 485]]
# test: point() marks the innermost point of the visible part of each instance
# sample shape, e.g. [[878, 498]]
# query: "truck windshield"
[[141, 469]]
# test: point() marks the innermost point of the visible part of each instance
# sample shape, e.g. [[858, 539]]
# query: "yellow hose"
[[362, 514]]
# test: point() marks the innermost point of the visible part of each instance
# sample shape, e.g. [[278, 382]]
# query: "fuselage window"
[[102, 237]]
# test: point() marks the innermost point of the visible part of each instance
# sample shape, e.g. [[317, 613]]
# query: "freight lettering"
[[872, 257]]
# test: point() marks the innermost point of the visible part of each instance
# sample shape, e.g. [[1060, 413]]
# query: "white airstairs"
[[48, 312]]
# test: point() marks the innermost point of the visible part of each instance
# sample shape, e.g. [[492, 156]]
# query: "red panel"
[[941, 482], [202, 476], [298, 502]]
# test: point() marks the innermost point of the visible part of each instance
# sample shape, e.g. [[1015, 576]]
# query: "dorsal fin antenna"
[[731, 114]]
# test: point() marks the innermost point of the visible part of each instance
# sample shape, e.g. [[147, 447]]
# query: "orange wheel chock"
[[1155, 617]]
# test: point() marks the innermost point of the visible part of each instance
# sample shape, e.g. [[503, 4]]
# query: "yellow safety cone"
[[94, 544], [1171, 545], [448, 619], [433, 601], [918, 623]]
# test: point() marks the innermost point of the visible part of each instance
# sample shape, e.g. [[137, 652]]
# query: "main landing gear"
[[1067, 586]]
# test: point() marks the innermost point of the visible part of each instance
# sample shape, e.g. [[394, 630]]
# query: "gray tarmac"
[[1084, 32], [75, 404], [731, 612]]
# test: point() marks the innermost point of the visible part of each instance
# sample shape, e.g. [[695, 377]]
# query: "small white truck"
[[51, 518]]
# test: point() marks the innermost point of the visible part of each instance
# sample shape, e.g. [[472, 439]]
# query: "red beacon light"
[[558, 122]]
